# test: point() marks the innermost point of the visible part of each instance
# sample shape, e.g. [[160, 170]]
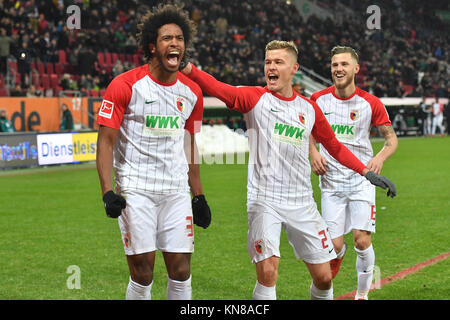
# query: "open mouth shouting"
[[174, 58], [272, 79]]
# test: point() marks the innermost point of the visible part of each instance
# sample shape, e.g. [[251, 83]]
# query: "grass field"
[[53, 218]]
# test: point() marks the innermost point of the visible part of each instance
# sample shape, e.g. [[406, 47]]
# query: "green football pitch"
[[57, 242]]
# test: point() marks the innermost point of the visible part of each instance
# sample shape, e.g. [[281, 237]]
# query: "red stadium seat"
[[12, 65], [54, 81], [94, 93], [59, 69], [3, 92], [108, 59], [136, 59], [40, 67], [62, 57], [114, 58], [101, 58], [102, 92], [122, 57], [45, 81], [49, 67], [35, 79]]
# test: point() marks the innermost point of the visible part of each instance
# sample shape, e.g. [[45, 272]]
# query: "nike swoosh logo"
[[149, 101], [327, 113], [330, 251], [273, 110]]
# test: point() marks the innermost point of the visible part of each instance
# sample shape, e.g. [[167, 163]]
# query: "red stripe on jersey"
[[119, 93], [194, 122]]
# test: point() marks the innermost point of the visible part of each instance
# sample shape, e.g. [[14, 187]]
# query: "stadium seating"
[[417, 42]]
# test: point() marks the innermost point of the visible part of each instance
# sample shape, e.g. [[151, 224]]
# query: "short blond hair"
[[344, 49], [279, 44]]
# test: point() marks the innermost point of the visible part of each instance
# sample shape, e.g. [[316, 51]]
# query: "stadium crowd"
[[408, 56]]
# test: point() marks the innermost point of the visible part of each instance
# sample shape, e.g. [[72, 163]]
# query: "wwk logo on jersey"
[[162, 125], [106, 109], [288, 134], [342, 131]]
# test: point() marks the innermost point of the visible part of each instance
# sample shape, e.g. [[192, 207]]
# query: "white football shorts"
[[346, 211], [156, 222], [306, 231]]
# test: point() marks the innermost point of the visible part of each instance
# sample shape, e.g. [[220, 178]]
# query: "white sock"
[[264, 293], [136, 291], [179, 290], [365, 261], [341, 253], [317, 294]]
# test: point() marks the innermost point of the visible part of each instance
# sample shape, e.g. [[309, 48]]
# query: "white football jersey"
[[351, 120], [151, 118], [278, 131]]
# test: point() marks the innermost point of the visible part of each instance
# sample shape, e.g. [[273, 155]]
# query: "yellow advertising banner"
[[84, 146]]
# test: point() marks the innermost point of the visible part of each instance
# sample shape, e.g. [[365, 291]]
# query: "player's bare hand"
[[375, 165], [318, 164], [187, 69]]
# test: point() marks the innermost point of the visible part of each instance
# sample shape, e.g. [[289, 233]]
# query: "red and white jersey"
[[151, 117], [351, 120], [438, 109], [278, 131]]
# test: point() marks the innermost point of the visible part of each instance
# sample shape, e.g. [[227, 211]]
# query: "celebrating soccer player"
[[279, 192], [148, 119], [348, 200]]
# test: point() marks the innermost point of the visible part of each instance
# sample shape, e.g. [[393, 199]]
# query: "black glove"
[[201, 211], [114, 203], [382, 182]]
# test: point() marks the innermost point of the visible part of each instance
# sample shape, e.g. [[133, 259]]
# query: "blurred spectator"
[[86, 82], [5, 124], [5, 45], [24, 64], [409, 56], [447, 116], [86, 61], [32, 92], [66, 119], [117, 69], [17, 91], [229, 122]]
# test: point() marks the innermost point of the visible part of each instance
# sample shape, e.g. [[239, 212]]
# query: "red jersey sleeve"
[[323, 134], [194, 122], [241, 99], [380, 116], [116, 100]]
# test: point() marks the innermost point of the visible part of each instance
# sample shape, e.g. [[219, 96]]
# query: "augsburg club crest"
[[301, 118], [354, 114], [180, 102]]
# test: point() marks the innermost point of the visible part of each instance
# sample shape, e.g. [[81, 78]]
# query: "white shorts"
[[306, 231], [156, 222], [346, 211]]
